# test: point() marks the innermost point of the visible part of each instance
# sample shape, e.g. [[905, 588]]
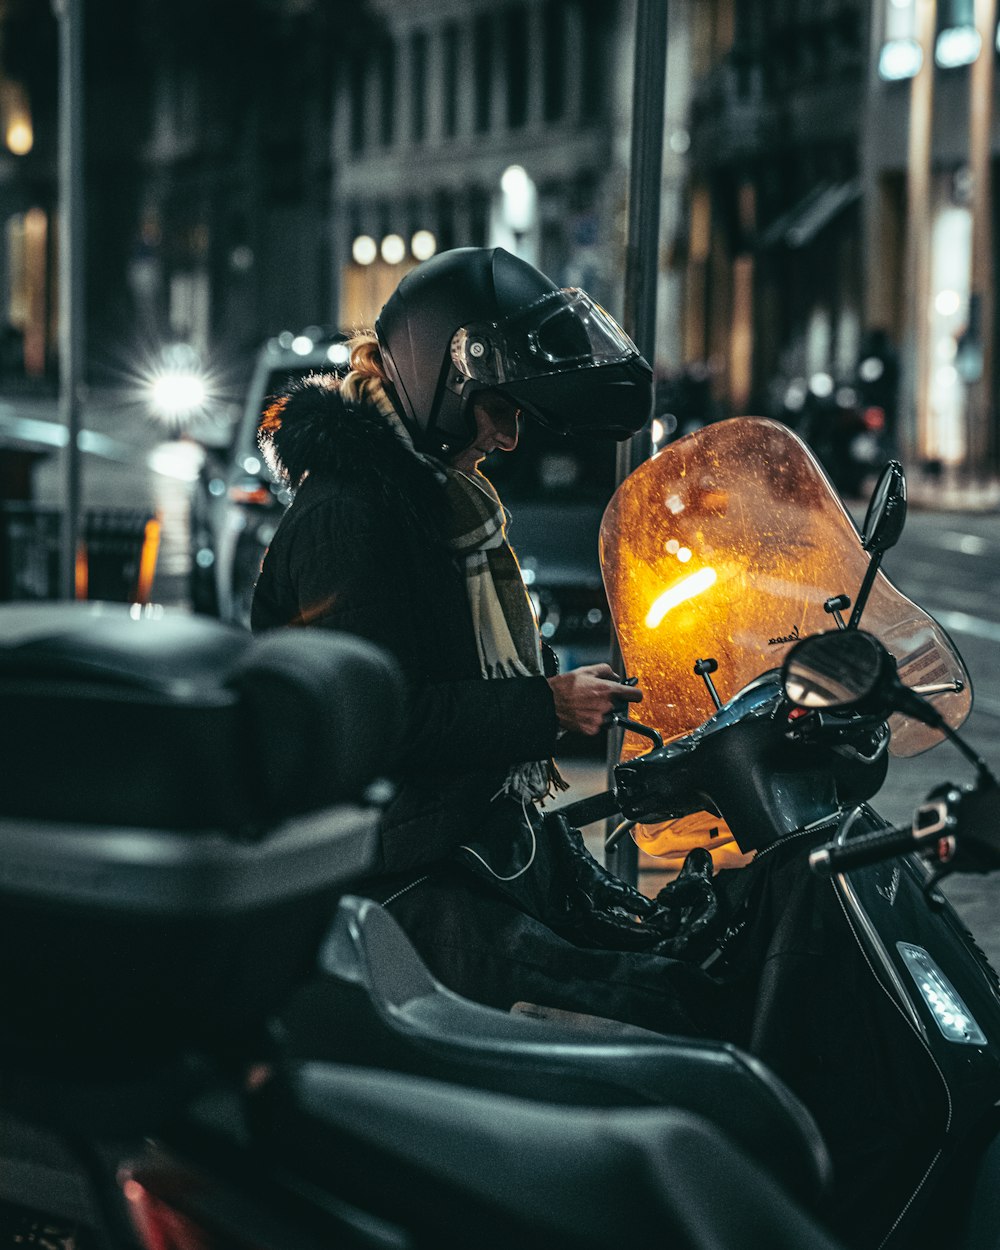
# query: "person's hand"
[[587, 697]]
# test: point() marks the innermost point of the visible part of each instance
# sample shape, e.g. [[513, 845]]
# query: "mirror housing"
[[886, 513]]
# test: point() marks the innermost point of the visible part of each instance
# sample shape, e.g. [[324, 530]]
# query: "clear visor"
[[562, 331]]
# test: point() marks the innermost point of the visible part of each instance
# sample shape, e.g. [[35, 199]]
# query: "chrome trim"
[[875, 943]]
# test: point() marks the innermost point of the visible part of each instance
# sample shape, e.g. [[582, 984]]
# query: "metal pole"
[[981, 440], [642, 247], [917, 438], [71, 260], [642, 250]]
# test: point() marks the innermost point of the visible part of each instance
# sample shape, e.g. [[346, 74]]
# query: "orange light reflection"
[[680, 592]]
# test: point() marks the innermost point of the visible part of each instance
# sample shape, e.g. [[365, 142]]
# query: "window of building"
[[387, 82], [449, 78], [901, 56], [944, 439], [358, 75], [479, 218], [958, 41], [596, 17], [482, 40], [23, 348], [554, 60], [516, 41], [15, 118], [418, 85], [444, 216]]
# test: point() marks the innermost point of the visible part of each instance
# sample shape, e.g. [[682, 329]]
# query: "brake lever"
[[624, 721]]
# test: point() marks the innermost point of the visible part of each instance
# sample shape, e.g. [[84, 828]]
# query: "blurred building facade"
[[254, 165], [468, 122], [840, 223]]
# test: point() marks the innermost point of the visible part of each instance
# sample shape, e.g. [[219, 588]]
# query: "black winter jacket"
[[362, 549]]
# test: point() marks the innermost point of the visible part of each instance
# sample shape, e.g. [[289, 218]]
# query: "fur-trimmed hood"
[[313, 431], [311, 428]]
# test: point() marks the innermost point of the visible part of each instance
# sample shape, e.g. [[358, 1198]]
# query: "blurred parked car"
[[236, 505], [555, 489]]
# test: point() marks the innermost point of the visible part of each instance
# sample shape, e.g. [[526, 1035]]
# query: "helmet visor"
[[561, 332]]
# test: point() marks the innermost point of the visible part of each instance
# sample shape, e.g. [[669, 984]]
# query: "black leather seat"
[[460, 1167], [378, 1006]]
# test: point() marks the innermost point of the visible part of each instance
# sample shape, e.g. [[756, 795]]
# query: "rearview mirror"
[[840, 669], [850, 670]]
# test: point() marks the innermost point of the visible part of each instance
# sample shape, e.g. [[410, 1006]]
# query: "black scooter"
[[875, 956], [185, 806], [182, 811]]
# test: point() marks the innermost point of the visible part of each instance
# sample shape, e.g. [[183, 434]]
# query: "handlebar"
[[727, 766], [586, 811], [872, 848], [956, 828]]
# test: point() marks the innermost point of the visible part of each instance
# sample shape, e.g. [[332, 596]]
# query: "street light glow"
[[364, 249], [338, 353], [900, 58], [393, 249], [423, 245], [519, 198], [20, 138], [947, 302], [177, 393], [959, 45]]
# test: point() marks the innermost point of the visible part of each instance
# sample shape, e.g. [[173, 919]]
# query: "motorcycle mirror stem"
[[850, 670], [883, 526]]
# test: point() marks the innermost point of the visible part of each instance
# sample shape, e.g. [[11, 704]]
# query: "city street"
[[947, 562], [271, 282]]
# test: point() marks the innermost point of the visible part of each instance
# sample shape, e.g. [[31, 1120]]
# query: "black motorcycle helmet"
[[476, 319]]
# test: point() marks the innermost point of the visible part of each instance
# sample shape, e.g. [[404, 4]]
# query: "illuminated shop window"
[[15, 117], [27, 306], [958, 42], [951, 255], [901, 56]]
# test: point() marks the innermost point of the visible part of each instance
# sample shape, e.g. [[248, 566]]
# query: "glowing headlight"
[[950, 1014]]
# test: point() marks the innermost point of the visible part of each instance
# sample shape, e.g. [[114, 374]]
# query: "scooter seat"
[[378, 1005], [460, 1167]]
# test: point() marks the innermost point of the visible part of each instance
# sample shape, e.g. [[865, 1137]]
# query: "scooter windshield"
[[725, 546]]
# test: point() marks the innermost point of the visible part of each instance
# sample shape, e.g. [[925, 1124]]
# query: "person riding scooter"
[[395, 535]]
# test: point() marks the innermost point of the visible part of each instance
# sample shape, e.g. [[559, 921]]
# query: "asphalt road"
[[949, 563]]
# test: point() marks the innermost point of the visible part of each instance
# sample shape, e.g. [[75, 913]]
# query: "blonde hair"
[[366, 358]]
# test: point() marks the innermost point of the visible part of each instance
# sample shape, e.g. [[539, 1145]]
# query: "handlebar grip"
[[587, 811], [869, 849]]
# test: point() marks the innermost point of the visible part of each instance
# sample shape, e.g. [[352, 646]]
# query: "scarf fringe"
[[534, 782]]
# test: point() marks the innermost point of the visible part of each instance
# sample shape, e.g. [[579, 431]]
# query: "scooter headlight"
[[950, 1014]]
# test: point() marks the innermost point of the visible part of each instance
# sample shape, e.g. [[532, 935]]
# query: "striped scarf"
[[506, 631]]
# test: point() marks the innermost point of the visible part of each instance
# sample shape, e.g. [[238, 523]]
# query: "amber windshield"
[[725, 546]]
